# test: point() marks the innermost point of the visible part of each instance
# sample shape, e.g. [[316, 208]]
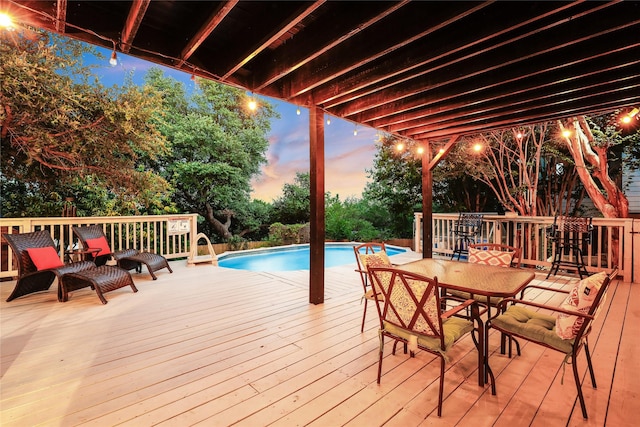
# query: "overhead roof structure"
[[423, 70], [416, 69]]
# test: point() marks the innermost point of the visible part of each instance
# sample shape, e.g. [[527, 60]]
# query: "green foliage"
[[396, 186], [348, 221], [237, 243], [280, 234], [217, 147], [60, 127], [293, 207]]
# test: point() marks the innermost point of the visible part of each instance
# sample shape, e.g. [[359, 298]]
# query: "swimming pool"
[[289, 258]]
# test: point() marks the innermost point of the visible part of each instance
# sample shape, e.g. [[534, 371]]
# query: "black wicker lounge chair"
[[92, 236], [37, 271]]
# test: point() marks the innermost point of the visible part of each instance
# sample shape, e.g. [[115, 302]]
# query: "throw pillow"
[[580, 300], [490, 257], [44, 258], [99, 243]]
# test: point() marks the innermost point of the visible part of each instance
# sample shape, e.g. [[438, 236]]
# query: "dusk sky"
[[347, 156]]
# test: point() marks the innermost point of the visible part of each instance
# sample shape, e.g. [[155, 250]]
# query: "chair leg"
[[587, 354], [576, 377], [441, 386], [381, 337], [364, 315]]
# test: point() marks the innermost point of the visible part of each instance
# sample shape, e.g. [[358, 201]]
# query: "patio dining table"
[[478, 279]]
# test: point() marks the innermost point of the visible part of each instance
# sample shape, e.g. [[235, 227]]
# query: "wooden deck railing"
[[530, 234], [172, 237], [167, 235]]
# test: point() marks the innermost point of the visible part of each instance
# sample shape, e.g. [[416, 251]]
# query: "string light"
[[328, 120], [253, 105], [399, 146], [566, 133], [355, 131], [477, 147], [6, 21], [626, 119], [298, 111], [420, 149], [114, 59]]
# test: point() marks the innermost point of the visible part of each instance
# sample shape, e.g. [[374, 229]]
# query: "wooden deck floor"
[[211, 346]]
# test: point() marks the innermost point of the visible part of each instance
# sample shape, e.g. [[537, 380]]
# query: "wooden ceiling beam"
[[510, 100], [372, 109], [543, 114], [310, 45], [288, 25], [61, 16], [602, 92], [205, 31], [367, 47], [352, 87], [131, 26], [493, 64]]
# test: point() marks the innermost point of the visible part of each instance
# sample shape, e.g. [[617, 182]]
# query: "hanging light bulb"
[[253, 105], [114, 59], [628, 117], [328, 120], [355, 131], [6, 21], [298, 111], [399, 146], [566, 133], [420, 150]]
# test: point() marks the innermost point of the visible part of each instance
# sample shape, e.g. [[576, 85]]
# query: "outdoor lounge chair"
[[92, 236], [566, 331], [39, 264]]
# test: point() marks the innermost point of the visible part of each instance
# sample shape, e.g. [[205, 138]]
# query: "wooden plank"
[[211, 345]]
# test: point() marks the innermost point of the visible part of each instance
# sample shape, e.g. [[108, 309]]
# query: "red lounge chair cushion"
[[44, 258], [99, 243]]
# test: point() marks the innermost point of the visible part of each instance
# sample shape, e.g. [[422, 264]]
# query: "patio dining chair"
[[369, 255], [410, 312], [92, 236], [465, 230], [566, 332], [570, 236], [39, 264]]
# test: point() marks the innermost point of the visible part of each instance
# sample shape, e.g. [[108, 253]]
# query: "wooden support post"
[[427, 203], [317, 226]]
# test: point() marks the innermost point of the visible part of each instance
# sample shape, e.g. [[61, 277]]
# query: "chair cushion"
[[100, 242], [535, 326], [491, 257], [378, 259], [44, 258], [453, 328], [480, 298], [580, 299]]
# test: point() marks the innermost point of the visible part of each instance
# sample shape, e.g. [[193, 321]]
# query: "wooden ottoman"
[[103, 279]]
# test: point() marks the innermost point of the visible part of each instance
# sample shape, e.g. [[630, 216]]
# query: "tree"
[[396, 185], [217, 147], [293, 207], [589, 141], [60, 127]]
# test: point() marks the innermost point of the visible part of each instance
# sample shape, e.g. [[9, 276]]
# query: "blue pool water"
[[291, 258]]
